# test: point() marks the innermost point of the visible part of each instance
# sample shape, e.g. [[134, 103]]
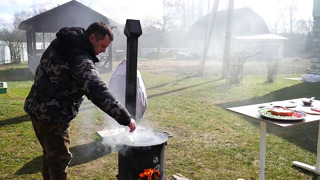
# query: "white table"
[[252, 111]]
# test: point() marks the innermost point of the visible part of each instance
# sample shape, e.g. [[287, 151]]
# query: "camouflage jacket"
[[65, 74]]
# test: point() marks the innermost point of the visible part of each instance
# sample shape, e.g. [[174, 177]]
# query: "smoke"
[[118, 137], [140, 137]]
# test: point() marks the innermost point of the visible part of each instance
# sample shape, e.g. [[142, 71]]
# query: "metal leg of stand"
[[263, 142], [309, 167]]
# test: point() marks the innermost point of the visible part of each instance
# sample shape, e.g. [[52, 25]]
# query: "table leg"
[[309, 167], [263, 132]]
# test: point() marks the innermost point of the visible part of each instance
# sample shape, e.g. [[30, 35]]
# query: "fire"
[[150, 174]]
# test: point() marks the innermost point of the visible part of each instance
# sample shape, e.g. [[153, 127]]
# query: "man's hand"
[[132, 125]]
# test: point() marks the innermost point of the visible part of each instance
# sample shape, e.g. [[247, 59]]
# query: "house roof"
[[262, 37], [70, 14], [245, 22]]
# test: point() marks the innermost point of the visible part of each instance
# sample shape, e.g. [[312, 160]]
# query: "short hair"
[[100, 30]]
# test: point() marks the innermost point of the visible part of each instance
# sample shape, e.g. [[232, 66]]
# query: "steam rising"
[[116, 138]]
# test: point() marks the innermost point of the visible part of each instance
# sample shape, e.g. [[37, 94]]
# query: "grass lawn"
[[208, 141]]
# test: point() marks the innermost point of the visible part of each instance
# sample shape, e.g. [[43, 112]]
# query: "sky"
[[150, 10]]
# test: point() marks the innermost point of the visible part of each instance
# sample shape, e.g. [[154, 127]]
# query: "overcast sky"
[[120, 10]]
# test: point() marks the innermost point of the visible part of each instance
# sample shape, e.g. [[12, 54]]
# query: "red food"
[[281, 111], [315, 109], [297, 115]]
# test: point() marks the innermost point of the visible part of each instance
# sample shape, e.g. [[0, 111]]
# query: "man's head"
[[100, 35]]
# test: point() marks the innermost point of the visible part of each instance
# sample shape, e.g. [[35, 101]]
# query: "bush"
[[273, 67]]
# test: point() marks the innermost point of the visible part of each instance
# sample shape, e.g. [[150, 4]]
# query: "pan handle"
[[167, 133]]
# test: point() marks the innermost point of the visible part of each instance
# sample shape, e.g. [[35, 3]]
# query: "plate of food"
[[282, 113], [311, 110]]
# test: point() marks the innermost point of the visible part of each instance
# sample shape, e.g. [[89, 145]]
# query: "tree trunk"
[[15, 52], [207, 40], [227, 44]]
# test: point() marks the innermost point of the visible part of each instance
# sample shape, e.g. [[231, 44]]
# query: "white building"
[[249, 31]]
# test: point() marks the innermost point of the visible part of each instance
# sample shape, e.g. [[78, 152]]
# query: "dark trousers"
[[55, 143]]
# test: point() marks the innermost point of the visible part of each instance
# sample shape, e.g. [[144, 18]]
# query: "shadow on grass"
[[16, 74], [311, 174], [81, 154], [164, 84], [181, 89], [88, 152], [303, 136], [20, 119], [15, 120], [32, 167]]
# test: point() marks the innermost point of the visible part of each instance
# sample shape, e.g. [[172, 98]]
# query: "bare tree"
[[14, 38], [237, 59], [167, 23], [292, 8], [272, 67], [304, 26], [286, 17], [192, 10]]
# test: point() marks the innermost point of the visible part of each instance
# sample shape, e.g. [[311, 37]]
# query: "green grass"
[[208, 141]]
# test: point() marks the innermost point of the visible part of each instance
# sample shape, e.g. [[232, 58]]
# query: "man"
[[65, 74]]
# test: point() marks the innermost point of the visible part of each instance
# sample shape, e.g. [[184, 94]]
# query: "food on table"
[[315, 109], [281, 111]]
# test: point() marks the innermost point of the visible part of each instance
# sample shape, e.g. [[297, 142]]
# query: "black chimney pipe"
[[132, 30]]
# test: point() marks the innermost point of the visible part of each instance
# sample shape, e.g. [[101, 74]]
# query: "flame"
[[150, 174]]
